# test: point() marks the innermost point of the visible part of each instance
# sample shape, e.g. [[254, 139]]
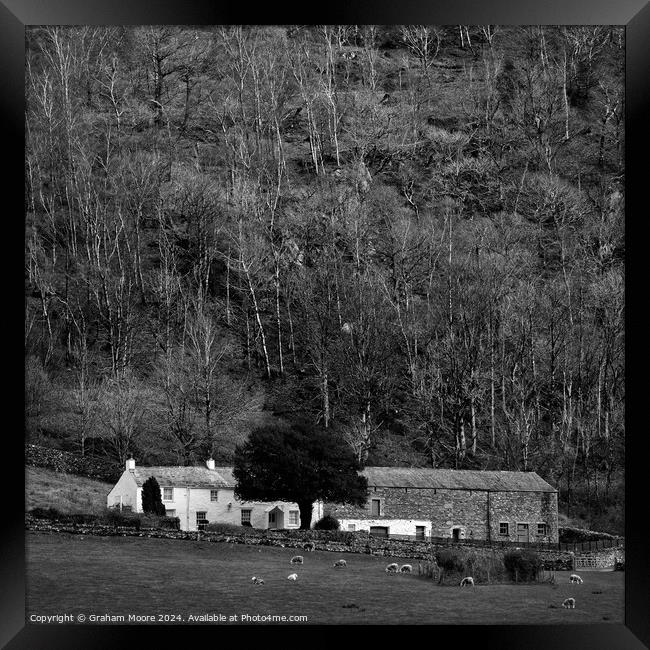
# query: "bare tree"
[[122, 409]]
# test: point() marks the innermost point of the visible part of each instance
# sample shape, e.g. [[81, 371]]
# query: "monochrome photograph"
[[324, 324]]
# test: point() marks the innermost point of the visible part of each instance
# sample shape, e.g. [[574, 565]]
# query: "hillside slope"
[[67, 493]]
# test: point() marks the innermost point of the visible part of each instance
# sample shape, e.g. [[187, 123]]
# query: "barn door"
[[522, 533]]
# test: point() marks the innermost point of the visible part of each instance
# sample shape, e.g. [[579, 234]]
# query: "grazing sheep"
[[574, 577], [293, 576], [569, 603], [340, 563], [297, 559], [406, 568], [392, 568], [257, 581], [466, 582], [309, 546]]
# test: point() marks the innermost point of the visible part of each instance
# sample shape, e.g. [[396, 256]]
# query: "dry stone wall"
[[334, 541], [65, 461]]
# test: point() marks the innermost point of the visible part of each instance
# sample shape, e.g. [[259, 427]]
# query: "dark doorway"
[[455, 534], [276, 518]]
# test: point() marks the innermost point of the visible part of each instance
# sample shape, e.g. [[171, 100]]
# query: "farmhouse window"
[[214, 495], [201, 520], [293, 517], [503, 528], [541, 530], [168, 494], [246, 517], [375, 508]]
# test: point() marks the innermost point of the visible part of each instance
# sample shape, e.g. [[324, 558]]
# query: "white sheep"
[[466, 582], [569, 603], [574, 577], [340, 563], [309, 546], [406, 568], [293, 576], [257, 581], [297, 559], [392, 568]]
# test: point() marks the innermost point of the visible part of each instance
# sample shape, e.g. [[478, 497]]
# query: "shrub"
[[453, 564], [116, 518], [173, 523], [228, 529], [327, 523], [333, 535], [45, 513], [452, 560], [522, 565], [80, 518]]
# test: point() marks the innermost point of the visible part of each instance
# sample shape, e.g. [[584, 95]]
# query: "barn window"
[[419, 532], [293, 517], [170, 513], [542, 530], [375, 508], [504, 528], [168, 494], [352, 527], [214, 495], [246, 517]]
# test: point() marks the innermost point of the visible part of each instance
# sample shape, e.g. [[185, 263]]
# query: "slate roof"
[[194, 477], [458, 479], [399, 477]]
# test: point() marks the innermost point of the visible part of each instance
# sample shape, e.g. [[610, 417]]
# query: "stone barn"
[[457, 504]]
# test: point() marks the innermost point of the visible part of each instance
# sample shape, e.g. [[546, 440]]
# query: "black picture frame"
[[634, 14]]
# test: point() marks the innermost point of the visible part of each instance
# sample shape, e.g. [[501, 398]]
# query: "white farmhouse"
[[200, 495]]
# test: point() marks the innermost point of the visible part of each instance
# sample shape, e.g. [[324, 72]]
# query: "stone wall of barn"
[[463, 510], [530, 508]]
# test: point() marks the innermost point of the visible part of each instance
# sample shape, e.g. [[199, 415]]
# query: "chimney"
[[210, 463], [130, 464]]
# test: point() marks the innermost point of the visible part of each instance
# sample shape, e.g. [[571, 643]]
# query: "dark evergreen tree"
[[151, 497], [301, 464]]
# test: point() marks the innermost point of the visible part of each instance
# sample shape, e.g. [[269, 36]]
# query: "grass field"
[[67, 493], [121, 576]]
